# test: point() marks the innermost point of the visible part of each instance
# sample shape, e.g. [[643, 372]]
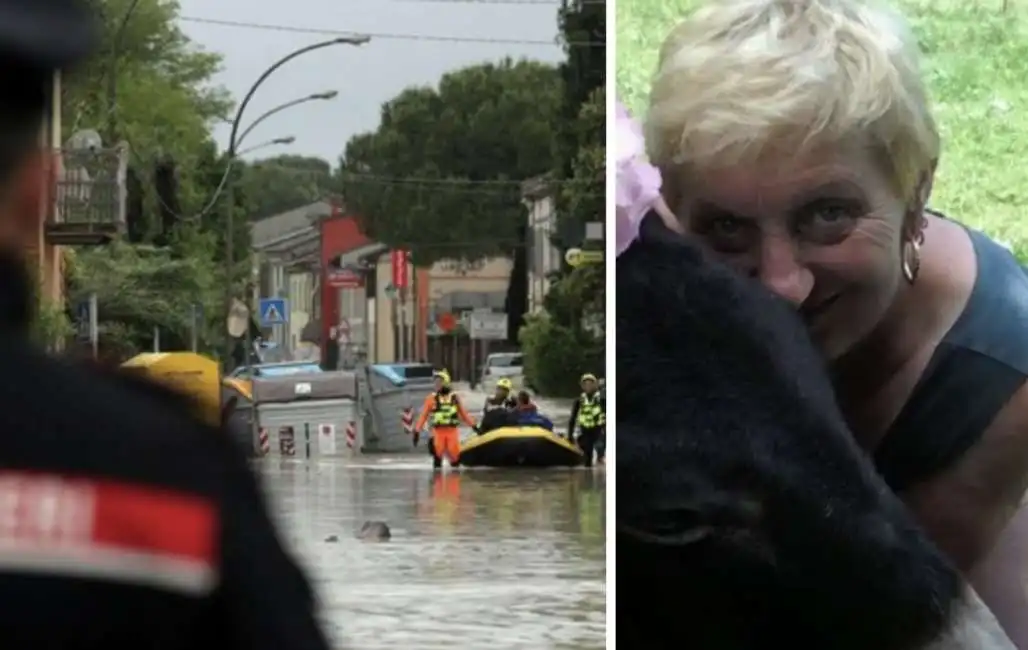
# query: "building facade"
[[45, 256], [544, 258], [286, 255]]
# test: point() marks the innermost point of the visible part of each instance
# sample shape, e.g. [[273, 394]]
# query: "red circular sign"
[[447, 322]]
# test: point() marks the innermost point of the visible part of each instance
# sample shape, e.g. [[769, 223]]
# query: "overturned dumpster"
[[395, 393]]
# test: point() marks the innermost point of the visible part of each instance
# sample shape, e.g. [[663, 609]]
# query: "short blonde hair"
[[739, 76]]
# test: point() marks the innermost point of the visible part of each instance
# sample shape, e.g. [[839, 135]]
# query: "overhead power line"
[[324, 31]]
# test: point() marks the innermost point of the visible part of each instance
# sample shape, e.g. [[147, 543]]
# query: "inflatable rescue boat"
[[519, 447]]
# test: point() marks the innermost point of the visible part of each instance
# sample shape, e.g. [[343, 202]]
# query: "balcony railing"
[[90, 199]]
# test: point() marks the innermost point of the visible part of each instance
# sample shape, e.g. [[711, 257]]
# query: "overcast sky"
[[365, 76]]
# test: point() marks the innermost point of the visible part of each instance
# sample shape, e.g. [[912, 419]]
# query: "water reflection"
[[478, 559]]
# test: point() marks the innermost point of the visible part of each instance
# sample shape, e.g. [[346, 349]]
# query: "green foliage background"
[[569, 339], [441, 176], [976, 65]]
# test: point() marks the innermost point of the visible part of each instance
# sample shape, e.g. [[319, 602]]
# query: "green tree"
[[569, 339], [140, 288], [164, 108], [583, 26], [164, 105], [485, 129], [275, 185]]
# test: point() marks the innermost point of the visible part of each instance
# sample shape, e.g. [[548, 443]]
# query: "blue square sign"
[[274, 311]]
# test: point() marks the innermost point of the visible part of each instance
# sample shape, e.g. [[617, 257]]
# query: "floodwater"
[[497, 559]]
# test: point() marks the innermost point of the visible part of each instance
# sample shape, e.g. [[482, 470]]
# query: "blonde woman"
[[796, 144]]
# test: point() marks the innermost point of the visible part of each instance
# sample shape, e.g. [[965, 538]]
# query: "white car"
[[503, 364]]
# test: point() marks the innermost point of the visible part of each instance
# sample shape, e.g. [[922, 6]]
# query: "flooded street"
[[480, 558]]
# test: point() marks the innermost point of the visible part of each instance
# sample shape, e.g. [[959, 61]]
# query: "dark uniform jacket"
[[124, 522], [496, 414], [492, 403]]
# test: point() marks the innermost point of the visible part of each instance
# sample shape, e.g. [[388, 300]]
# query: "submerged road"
[[489, 559]]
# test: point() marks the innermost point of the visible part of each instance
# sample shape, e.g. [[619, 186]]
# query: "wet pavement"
[[479, 558]]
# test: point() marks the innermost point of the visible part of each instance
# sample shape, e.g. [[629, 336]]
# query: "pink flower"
[[638, 182]]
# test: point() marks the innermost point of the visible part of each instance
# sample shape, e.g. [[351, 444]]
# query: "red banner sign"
[[345, 279], [399, 262]]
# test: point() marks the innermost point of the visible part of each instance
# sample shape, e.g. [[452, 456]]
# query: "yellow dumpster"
[[186, 372]]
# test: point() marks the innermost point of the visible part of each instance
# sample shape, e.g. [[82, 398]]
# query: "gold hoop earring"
[[911, 259]]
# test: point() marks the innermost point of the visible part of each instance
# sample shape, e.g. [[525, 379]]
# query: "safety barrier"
[[351, 435], [308, 440], [408, 420]]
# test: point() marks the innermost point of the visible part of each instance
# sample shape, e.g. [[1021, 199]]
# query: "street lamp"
[[331, 94], [267, 143], [325, 96], [233, 143]]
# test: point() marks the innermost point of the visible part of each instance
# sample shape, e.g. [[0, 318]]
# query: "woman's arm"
[[975, 513], [965, 509]]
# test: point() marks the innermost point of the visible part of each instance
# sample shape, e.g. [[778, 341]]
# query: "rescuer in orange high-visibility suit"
[[446, 413]]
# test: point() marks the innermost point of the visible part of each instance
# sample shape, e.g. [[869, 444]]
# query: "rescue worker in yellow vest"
[[446, 413], [502, 398], [498, 408], [589, 413]]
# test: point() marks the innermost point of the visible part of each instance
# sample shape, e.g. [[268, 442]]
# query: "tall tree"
[[163, 107], [583, 29], [274, 185], [568, 339], [441, 175], [163, 104]]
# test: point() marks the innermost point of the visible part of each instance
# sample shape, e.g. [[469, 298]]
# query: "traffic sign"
[[487, 326], [447, 322], [274, 311], [345, 279], [398, 260], [576, 257]]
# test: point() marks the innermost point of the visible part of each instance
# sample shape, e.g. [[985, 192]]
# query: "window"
[[504, 361]]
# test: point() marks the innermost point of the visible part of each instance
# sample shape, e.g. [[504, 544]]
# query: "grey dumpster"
[[308, 416], [392, 390]]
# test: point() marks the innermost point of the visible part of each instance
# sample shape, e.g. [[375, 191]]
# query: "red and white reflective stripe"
[[107, 530], [408, 420], [351, 434], [264, 440]]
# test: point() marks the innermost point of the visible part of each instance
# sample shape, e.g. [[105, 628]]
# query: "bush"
[[557, 355], [51, 325]]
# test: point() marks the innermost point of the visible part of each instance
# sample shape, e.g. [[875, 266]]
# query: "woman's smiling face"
[[823, 230]]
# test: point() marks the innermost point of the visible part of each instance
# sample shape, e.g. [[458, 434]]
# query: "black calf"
[[747, 516]]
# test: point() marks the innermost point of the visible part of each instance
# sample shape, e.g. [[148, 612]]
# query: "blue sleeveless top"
[[976, 369]]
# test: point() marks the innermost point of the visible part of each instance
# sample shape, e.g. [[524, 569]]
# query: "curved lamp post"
[[325, 96], [267, 143], [233, 143], [331, 94]]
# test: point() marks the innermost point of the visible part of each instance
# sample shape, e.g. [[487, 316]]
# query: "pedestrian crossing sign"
[[273, 311]]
